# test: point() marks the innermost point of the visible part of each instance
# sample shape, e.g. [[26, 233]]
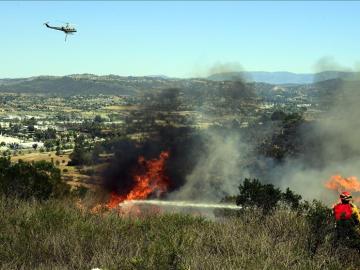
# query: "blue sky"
[[180, 39]]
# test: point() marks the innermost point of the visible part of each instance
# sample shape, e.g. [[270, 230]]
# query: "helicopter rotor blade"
[[69, 23]]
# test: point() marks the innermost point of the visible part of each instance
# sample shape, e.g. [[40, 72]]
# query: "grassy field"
[[37, 156], [121, 108], [57, 235], [71, 174]]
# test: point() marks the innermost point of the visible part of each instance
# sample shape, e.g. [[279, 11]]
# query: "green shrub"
[[291, 199], [265, 196], [80, 191], [26, 180], [321, 223]]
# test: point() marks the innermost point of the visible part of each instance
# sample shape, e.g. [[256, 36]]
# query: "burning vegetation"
[[149, 181]]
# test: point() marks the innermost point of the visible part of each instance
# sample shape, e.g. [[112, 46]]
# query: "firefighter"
[[347, 219]]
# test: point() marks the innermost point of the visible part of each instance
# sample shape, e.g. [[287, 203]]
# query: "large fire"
[[339, 183], [150, 181]]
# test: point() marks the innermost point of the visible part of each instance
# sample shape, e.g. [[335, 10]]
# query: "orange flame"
[[337, 182], [152, 182]]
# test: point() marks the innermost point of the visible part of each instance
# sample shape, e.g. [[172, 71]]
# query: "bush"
[[291, 199], [26, 180], [80, 191], [321, 223], [319, 217], [265, 196]]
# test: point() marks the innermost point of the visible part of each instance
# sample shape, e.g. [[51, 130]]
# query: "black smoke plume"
[[180, 142]]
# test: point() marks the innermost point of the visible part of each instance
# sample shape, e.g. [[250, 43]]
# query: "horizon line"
[[171, 77]]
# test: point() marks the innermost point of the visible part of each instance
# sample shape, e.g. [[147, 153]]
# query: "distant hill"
[[233, 86], [90, 84], [81, 84], [63, 86], [284, 77]]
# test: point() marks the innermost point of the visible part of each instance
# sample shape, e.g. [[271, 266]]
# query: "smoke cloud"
[[218, 170], [335, 137], [222, 70], [225, 68], [329, 63], [209, 164], [219, 164]]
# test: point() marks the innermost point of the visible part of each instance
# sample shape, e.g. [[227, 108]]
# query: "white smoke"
[[218, 172], [338, 135]]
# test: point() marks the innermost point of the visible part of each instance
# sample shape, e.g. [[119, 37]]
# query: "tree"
[[14, 146], [253, 193], [98, 119], [265, 196], [40, 180], [15, 129], [48, 144], [31, 128], [50, 133], [80, 155], [291, 199], [30, 122]]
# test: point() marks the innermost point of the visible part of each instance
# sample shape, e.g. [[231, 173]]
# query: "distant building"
[[12, 117], [22, 144]]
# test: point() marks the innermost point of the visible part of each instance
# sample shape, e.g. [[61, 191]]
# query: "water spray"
[[181, 204]]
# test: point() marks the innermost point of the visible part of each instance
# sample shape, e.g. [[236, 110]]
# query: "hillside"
[[67, 86], [57, 235], [284, 77], [195, 91], [89, 84]]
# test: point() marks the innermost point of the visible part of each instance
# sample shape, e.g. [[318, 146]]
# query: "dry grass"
[[71, 174], [122, 108], [37, 156], [56, 235]]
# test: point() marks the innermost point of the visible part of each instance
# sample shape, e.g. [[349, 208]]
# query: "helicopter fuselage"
[[66, 30]]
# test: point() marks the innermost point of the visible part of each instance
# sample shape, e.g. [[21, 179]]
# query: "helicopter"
[[67, 29]]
